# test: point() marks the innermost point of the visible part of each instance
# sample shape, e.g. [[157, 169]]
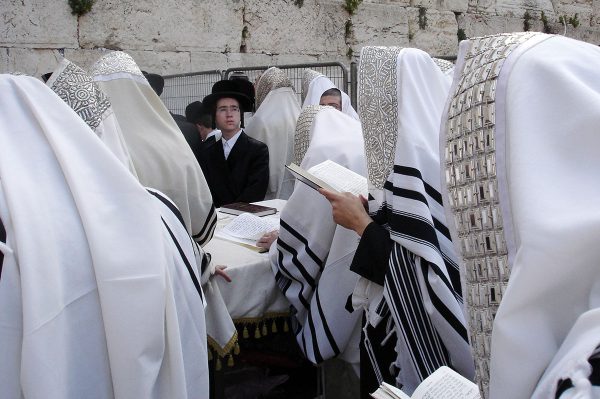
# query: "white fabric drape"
[[422, 285], [548, 323], [274, 123], [95, 300], [320, 84], [161, 156], [312, 256]]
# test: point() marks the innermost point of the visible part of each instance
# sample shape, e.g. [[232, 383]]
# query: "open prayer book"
[[331, 176], [444, 383], [247, 228]]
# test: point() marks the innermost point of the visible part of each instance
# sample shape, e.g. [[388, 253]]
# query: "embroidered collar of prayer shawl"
[[402, 93], [445, 66], [472, 186], [273, 78], [496, 152], [162, 158], [108, 258], [308, 76], [303, 129], [75, 87], [312, 256]]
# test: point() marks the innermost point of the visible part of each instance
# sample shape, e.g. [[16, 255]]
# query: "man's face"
[[332, 101], [228, 116]]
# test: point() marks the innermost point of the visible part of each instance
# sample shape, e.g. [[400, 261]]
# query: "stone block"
[[287, 59], [441, 5], [206, 61], [34, 62], [380, 25], [37, 24], [276, 26], [439, 35], [164, 26], [476, 25], [517, 8]]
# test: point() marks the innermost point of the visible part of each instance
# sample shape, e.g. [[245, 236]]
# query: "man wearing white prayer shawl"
[[162, 158], [312, 254], [274, 123], [520, 142], [77, 89], [314, 84], [401, 103], [99, 292]]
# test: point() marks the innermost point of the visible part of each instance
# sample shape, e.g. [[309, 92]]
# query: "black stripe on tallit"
[[326, 328], [288, 275], [441, 307], [185, 260], [313, 335], [304, 241], [169, 205], [3, 239], [426, 348], [207, 231], [408, 171], [305, 274], [415, 226]]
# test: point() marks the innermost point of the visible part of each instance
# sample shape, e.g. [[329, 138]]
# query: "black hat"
[[227, 89], [194, 110], [247, 88], [157, 82]]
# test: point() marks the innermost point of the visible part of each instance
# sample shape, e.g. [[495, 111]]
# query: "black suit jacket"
[[191, 134], [242, 177]]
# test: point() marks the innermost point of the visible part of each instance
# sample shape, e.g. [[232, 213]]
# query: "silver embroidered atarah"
[[75, 87], [302, 136], [116, 62], [273, 78], [444, 65], [308, 76], [470, 166], [378, 109]]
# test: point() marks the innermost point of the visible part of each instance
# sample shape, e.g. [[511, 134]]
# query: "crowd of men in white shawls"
[[476, 248]]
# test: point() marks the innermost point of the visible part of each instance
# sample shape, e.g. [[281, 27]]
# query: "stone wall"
[[179, 36]]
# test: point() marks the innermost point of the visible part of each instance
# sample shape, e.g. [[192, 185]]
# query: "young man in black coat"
[[236, 167]]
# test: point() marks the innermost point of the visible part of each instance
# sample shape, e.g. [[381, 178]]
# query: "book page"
[[446, 383], [341, 178], [387, 391], [250, 227]]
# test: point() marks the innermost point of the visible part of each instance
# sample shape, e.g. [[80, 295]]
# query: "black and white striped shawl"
[[422, 284]]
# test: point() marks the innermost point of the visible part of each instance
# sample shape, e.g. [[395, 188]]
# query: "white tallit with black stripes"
[[99, 292], [312, 256], [422, 285]]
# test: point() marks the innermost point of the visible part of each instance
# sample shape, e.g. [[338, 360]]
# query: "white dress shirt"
[[228, 144]]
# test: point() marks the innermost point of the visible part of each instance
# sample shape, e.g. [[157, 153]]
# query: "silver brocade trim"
[[444, 65], [308, 76], [116, 62], [273, 78], [77, 89], [302, 134], [378, 109], [470, 164]]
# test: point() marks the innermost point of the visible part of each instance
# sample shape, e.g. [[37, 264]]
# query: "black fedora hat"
[[193, 111], [246, 87], [228, 89]]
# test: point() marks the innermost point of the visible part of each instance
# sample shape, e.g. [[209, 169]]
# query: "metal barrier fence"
[[335, 71], [182, 89]]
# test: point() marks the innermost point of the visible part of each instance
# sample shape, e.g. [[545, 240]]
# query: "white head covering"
[[312, 257], [162, 158], [95, 299], [521, 152], [77, 89], [274, 123], [314, 84], [401, 96]]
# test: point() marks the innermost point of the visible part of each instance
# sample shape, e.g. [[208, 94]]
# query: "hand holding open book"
[[331, 176], [247, 229], [444, 383]]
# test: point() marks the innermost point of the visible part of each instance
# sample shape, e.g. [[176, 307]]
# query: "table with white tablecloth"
[[252, 298]]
